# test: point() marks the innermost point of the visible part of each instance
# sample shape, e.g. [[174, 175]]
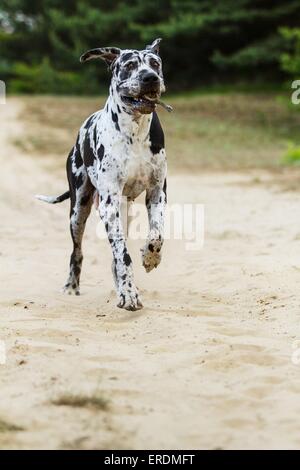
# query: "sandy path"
[[207, 363]]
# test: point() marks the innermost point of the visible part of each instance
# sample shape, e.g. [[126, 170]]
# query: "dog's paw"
[[151, 254], [71, 289], [130, 300]]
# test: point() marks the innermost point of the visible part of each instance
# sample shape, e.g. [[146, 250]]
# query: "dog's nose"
[[150, 77]]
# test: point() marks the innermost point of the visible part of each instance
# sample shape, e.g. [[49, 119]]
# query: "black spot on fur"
[[124, 74], [126, 258], [115, 118], [165, 189], [85, 200], [79, 181], [89, 121], [108, 200], [157, 137], [101, 152], [95, 136], [126, 56], [77, 155], [118, 108], [88, 154], [151, 247]]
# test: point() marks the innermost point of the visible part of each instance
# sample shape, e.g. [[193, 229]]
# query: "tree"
[[290, 61], [205, 41]]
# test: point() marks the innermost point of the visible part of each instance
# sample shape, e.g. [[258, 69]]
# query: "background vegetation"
[[205, 41], [216, 131], [228, 66]]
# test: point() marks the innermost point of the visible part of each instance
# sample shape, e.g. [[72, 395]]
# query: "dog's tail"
[[53, 199]]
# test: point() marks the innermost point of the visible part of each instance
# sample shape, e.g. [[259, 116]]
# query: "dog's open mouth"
[[146, 103], [147, 100]]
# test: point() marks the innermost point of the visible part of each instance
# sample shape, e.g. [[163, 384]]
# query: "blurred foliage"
[[206, 131], [205, 41], [42, 78], [291, 60], [292, 155]]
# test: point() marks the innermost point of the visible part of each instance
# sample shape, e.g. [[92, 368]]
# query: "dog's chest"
[[123, 159], [139, 168]]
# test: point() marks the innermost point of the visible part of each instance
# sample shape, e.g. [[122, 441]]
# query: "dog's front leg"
[[110, 213], [155, 202]]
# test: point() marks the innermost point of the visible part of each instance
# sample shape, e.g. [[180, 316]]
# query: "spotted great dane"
[[119, 152]]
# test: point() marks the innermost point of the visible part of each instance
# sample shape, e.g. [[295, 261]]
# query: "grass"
[[8, 427], [205, 131], [96, 401]]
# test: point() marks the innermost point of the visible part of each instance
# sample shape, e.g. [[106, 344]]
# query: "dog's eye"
[[129, 65], [154, 64]]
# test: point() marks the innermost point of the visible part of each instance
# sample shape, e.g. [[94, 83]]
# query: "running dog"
[[120, 151]]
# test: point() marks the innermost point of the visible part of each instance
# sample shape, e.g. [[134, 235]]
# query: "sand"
[[206, 364]]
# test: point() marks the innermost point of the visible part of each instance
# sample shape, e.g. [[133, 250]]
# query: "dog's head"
[[137, 76]]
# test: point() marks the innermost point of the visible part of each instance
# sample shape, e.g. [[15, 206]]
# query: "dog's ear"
[[154, 47], [109, 54]]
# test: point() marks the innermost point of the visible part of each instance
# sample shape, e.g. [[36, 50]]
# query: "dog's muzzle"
[[145, 100]]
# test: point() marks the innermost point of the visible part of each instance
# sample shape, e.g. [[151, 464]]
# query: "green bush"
[[290, 61], [43, 78], [292, 155]]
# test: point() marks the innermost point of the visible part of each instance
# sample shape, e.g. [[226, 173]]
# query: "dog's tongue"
[[167, 107]]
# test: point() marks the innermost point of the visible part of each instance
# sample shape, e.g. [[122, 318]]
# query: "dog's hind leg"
[[82, 194]]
